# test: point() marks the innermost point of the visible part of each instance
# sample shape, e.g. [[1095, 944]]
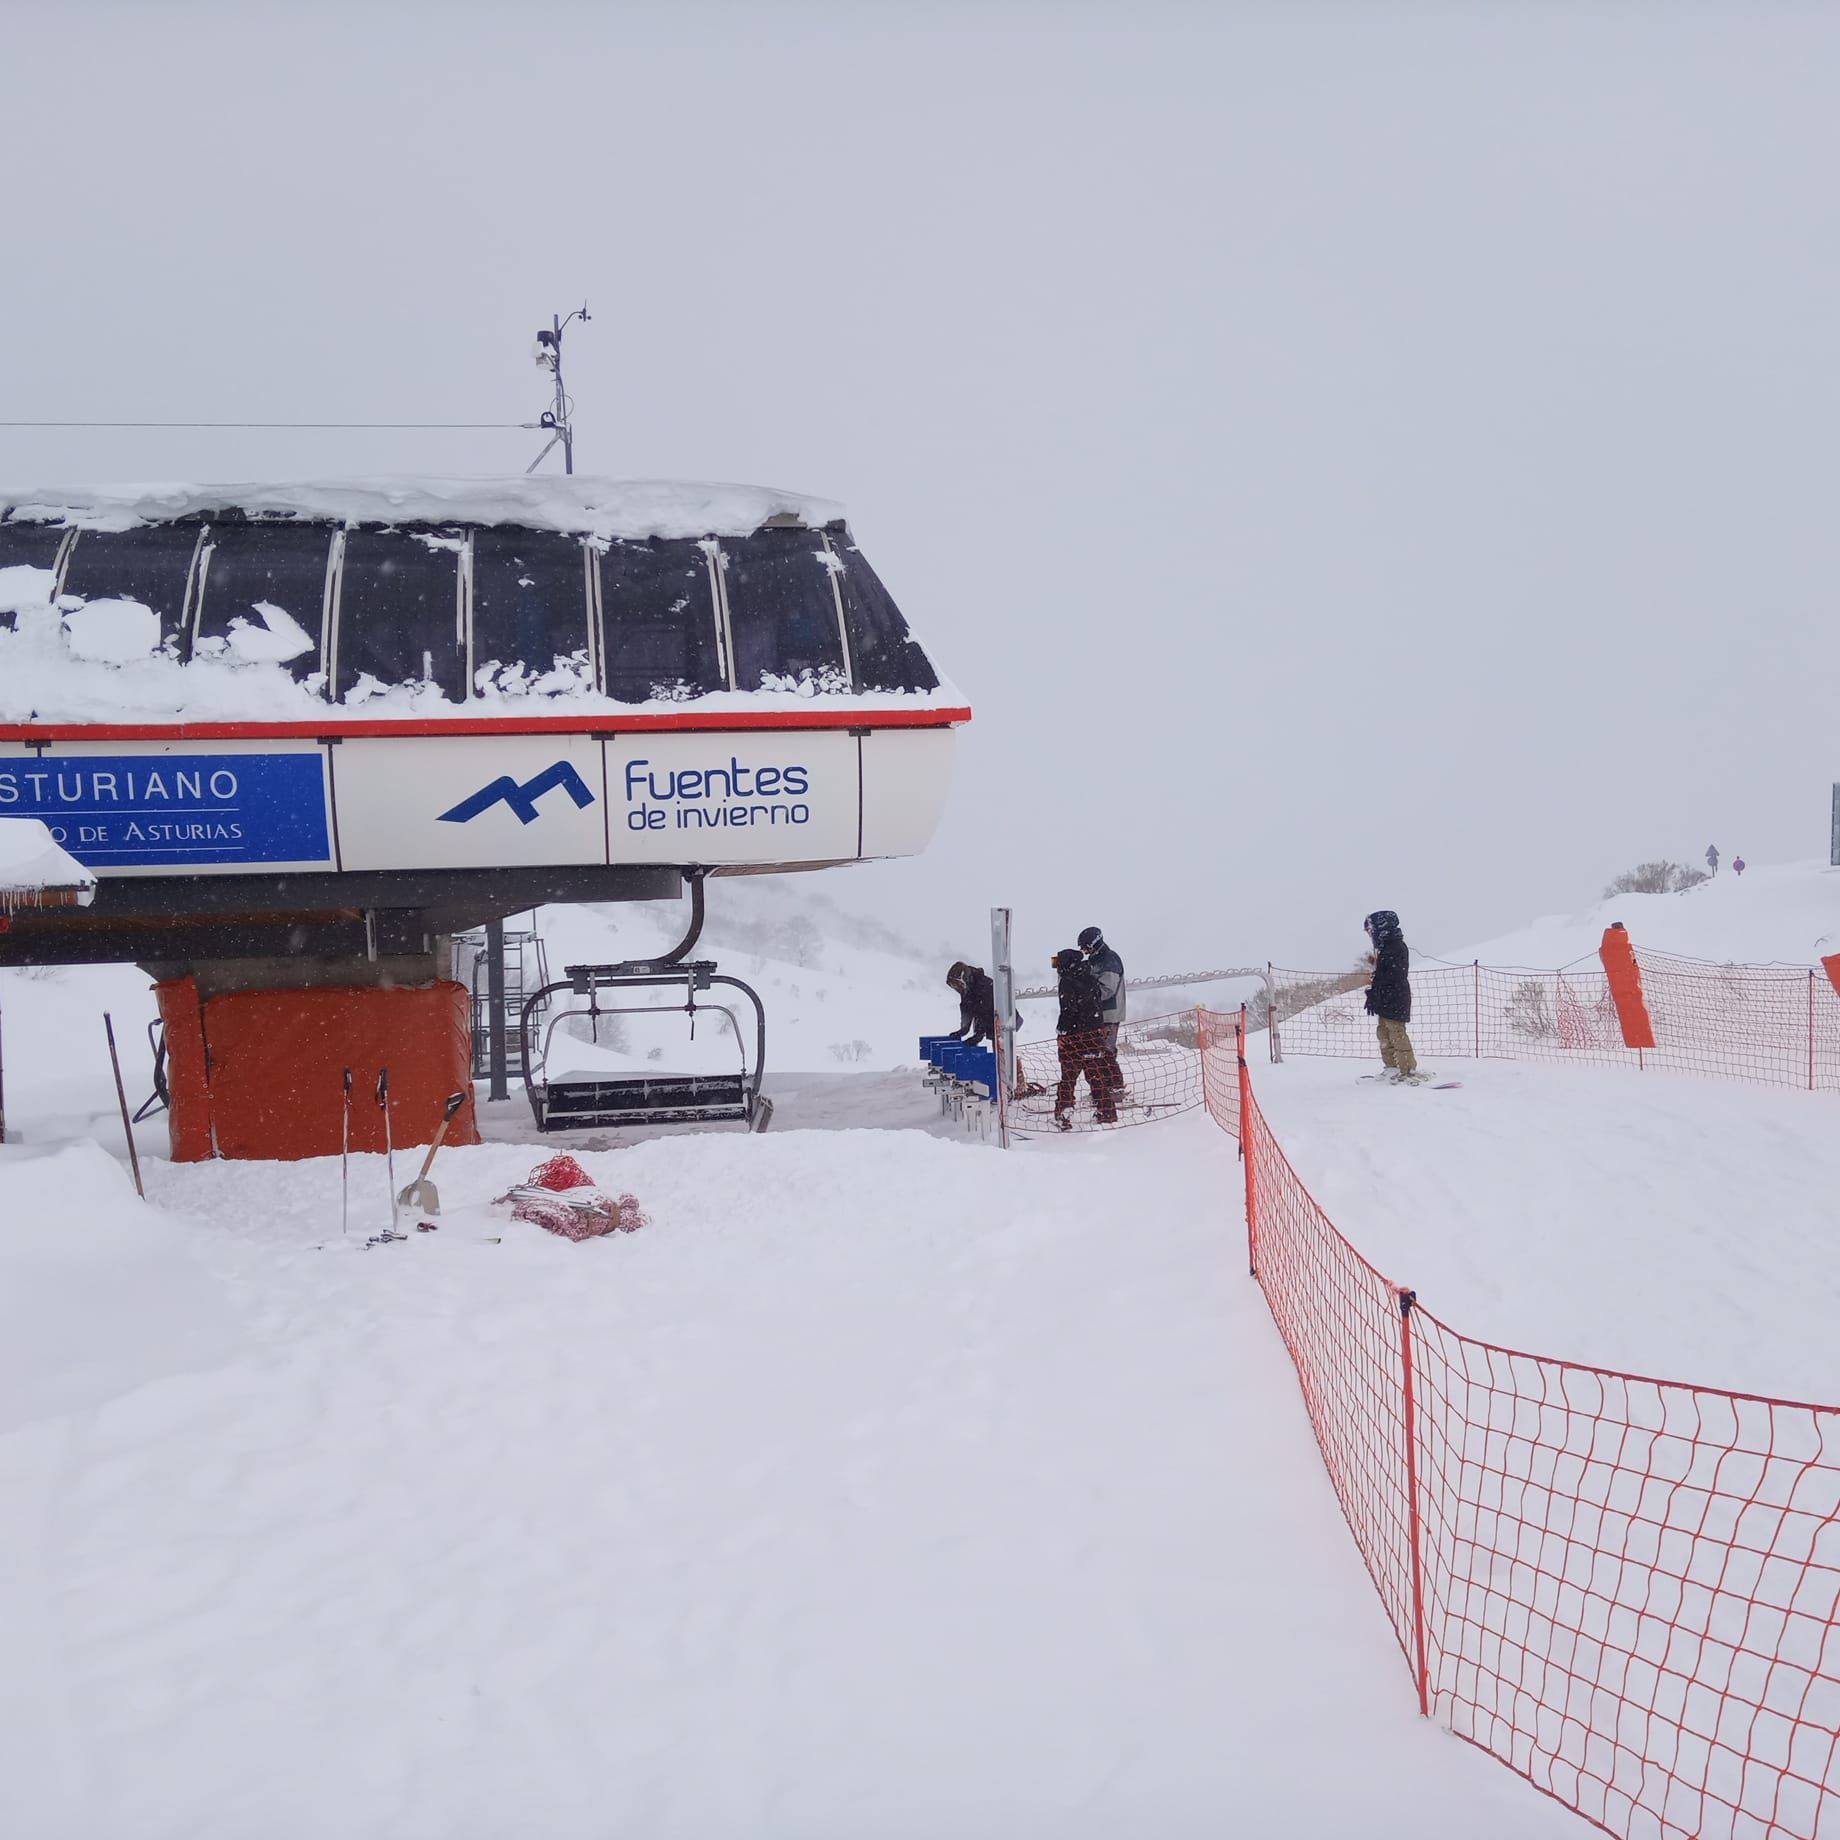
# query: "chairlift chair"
[[598, 1101]]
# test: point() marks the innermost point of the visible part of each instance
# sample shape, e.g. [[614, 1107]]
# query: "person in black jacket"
[[1080, 1037], [977, 1003], [1389, 993], [1108, 968]]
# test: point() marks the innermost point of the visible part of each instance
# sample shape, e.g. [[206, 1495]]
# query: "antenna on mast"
[[558, 417]]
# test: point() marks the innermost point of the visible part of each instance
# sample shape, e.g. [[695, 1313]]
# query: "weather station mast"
[[558, 421], [558, 418]]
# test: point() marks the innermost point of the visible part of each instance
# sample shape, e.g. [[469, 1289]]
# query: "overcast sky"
[[1351, 456]]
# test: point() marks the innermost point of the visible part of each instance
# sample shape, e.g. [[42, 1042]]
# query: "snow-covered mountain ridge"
[[1786, 913]]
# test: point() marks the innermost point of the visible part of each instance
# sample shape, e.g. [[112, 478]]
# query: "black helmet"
[[1381, 924], [1065, 959], [1091, 939]]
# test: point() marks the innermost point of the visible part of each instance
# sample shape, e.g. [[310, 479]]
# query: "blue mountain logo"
[[522, 798]]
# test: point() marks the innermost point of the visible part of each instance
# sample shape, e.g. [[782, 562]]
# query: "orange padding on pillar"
[[1831, 966], [188, 1113], [276, 1057], [1618, 953]]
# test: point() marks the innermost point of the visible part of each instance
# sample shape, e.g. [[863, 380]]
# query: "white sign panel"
[[906, 777], [735, 798], [482, 801], [469, 801]]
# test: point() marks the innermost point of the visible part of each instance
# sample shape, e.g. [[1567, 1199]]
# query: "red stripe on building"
[[738, 721]]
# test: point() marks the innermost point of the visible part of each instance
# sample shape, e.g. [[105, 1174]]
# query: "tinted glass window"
[[399, 618], [658, 621], [148, 565], [26, 546], [264, 593], [530, 603], [782, 613], [883, 651]]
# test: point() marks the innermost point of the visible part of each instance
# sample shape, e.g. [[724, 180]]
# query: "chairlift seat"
[[575, 1105], [602, 1100]]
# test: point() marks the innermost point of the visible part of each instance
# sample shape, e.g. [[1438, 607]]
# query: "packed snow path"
[[880, 1485]]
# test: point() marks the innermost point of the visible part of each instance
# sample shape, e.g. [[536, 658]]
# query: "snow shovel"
[[421, 1193]]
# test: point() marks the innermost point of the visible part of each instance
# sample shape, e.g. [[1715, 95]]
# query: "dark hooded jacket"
[[1108, 968], [1082, 1003], [1389, 996], [977, 1002]]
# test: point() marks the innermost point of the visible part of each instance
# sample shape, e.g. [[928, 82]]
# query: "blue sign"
[[171, 810]]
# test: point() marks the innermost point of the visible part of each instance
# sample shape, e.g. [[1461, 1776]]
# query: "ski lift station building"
[[304, 734]]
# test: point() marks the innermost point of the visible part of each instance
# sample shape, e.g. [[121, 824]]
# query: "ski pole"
[[121, 1098], [345, 1161], [389, 1148]]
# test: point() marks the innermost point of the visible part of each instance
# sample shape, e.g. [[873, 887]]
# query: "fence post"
[[1245, 1147], [1003, 1035], [1811, 1031], [1415, 1527], [1273, 1046], [1475, 984]]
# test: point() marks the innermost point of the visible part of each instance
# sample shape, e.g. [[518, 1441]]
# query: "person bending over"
[[977, 1003]]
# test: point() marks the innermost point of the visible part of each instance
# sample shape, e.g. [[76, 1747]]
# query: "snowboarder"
[[1712, 858], [977, 1003], [1080, 1038], [1108, 968], [1737, 865], [1389, 995]]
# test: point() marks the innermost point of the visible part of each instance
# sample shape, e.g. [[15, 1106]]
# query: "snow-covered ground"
[[1784, 912], [878, 1485], [882, 1483], [1652, 1222]]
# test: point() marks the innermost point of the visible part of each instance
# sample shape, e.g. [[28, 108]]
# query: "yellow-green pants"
[[1396, 1046]]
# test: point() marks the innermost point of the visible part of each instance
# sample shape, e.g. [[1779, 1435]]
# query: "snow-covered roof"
[[36, 872], [605, 508]]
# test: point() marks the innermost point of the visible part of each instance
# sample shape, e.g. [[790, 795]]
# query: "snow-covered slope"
[[878, 1486], [55, 1055], [1789, 913], [1651, 1222], [100, 1294]]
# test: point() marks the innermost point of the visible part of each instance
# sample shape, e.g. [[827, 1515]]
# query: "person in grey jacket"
[[1108, 968]]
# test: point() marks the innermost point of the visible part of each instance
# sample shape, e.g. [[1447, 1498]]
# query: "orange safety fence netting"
[[1626, 1589], [1340, 1321], [1217, 1042], [1472, 1012], [1776, 1025], [1103, 1079], [1630, 1589]]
